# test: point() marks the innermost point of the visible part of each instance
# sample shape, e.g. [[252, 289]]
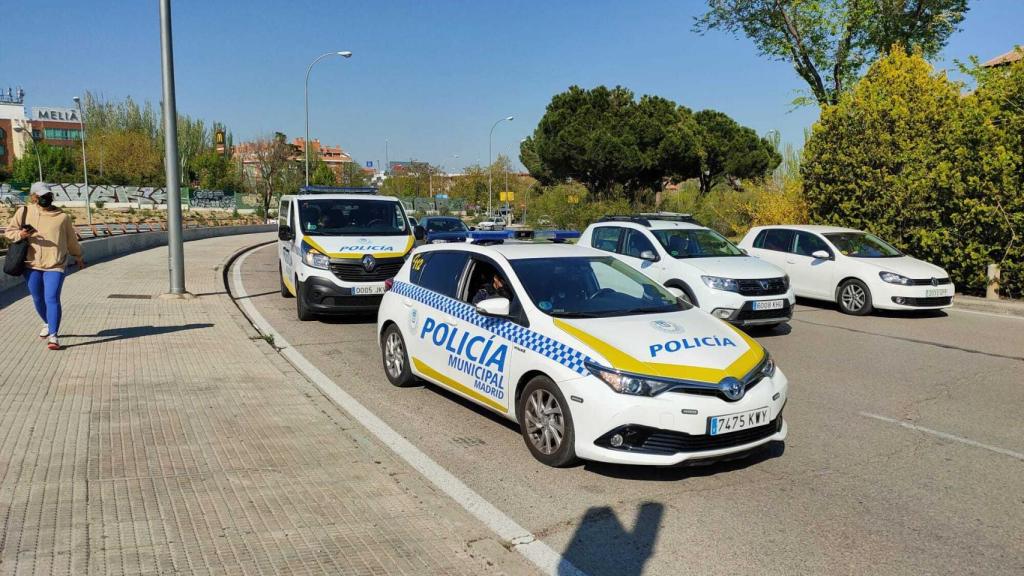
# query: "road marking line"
[[523, 541], [945, 435], [991, 314]]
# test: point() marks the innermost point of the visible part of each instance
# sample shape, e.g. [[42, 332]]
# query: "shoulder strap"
[[24, 215]]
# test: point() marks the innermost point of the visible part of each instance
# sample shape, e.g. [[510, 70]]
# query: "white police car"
[[593, 359], [336, 250]]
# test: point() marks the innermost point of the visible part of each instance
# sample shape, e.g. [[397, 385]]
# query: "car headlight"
[[315, 259], [768, 368], [628, 383], [893, 278], [719, 283]]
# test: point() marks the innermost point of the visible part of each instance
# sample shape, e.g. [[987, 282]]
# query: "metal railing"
[[104, 230]]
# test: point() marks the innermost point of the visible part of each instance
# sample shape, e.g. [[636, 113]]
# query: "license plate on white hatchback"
[[368, 290], [738, 421], [933, 292], [768, 304]]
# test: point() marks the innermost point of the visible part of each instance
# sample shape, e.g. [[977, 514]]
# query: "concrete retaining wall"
[[114, 246]]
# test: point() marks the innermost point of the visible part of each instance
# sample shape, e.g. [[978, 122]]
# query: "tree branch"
[[801, 60]]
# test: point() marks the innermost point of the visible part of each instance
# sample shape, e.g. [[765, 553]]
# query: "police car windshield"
[[351, 217], [591, 287], [862, 245], [695, 243], [445, 225]]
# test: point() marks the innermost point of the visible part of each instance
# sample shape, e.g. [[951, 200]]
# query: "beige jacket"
[[53, 240]]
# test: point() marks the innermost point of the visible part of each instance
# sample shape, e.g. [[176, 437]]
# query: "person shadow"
[[603, 546], [114, 334]]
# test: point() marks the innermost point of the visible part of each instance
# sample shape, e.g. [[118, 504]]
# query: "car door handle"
[[407, 302], [788, 261]]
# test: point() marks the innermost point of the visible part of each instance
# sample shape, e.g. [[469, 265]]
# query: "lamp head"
[[345, 54]]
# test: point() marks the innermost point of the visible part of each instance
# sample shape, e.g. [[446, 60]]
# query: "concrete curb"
[[1006, 307], [114, 246]]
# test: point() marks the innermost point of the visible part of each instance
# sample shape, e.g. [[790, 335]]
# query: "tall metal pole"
[[490, 162], [387, 159], [175, 247], [308, 69], [85, 166]]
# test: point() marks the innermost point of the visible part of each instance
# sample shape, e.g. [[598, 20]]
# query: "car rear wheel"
[[854, 298], [396, 358], [546, 423], [302, 310]]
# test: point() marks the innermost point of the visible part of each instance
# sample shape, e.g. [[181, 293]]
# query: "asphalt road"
[[905, 453]]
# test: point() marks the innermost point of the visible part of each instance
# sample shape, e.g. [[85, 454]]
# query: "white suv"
[[699, 264]]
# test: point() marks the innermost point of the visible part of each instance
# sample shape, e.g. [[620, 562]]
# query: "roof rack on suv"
[[669, 217], [336, 190], [619, 218]]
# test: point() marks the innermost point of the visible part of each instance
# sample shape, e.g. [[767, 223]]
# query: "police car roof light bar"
[[337, 190], [489, 236]]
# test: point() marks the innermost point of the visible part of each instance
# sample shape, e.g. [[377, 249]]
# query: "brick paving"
[[167, 438]]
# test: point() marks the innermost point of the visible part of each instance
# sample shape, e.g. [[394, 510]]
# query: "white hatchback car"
[[593, 359], [855, 269], [700, 264]]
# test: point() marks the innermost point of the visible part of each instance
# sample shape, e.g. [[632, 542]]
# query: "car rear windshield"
[[591, 287], [862, 245], [445, 225], [695, 243], [345, 217]]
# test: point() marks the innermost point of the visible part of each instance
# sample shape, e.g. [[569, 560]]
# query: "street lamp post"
[[175, 238], [35, 150], [344, 54], [490, 162], [85, 166]]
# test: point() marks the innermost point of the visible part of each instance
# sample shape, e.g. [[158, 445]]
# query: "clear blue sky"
[[429, 76]]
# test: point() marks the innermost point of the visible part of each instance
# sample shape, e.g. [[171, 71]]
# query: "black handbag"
[[17, 253]]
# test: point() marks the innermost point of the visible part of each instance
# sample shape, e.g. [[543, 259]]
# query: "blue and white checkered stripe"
[[522, 336]]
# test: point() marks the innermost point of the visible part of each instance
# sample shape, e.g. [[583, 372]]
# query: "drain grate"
[[131, 296]]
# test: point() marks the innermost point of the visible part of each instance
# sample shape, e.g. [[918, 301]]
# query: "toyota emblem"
[[369, 263], [731, 388]]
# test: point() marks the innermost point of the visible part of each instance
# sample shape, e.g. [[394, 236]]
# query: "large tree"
[[59, 164], [829, 42], [276, 170], [607, 139], [731, 152]]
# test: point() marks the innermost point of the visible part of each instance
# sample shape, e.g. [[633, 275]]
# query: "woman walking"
[[51, 238]]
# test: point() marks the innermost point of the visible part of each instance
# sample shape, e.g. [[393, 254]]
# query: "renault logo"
[[369, 263], [731, 388]]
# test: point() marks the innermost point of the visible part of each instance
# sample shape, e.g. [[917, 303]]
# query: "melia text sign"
[[56, 114]]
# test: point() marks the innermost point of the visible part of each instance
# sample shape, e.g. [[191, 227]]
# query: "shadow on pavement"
[[765, 332], [113, 334], [823, 306], [675, 473], [603, 546]]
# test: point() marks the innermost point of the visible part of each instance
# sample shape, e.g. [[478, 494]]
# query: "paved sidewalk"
[[169, 438]]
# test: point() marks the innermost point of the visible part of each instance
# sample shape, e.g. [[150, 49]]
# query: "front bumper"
[[323, 296], [739, 310], [896, 297], [671, 437]]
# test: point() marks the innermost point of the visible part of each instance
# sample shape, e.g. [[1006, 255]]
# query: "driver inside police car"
[[493, 289]]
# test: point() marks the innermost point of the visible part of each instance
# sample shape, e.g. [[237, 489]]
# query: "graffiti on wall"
[[126, 194], [211, 199]]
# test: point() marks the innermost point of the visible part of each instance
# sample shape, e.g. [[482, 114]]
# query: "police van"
[[336, 247], [590, 357]]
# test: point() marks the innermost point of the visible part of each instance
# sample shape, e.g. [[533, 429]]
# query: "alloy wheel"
[[394, 355], [545, 424], [853, 297]]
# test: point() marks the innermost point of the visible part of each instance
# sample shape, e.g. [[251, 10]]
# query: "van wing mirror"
[[649, 255], [284, 232], [419, 232]]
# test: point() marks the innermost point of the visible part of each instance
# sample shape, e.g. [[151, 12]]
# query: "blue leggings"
[[45, 289]]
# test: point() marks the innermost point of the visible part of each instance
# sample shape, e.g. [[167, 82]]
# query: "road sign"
[[369, 163]]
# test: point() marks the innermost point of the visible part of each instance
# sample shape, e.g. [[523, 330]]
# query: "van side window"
[[636, 244], [606, 238], [442, 272], [283, 215], [778, 239]]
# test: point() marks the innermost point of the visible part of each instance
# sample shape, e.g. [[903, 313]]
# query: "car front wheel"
[[396, 358], [301, 308], [854, 298], [546, 423]]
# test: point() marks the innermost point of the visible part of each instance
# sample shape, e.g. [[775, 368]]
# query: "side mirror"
[[493, 307], [284, 232], [821, 255], [744, 250], [419, 232], [649, 255]]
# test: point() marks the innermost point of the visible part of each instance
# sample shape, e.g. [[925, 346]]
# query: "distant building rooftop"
[[1005, 59]]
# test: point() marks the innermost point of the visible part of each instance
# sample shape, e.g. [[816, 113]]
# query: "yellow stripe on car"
[[352, 255], [288, 284], [622, 361], [454, 385]]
